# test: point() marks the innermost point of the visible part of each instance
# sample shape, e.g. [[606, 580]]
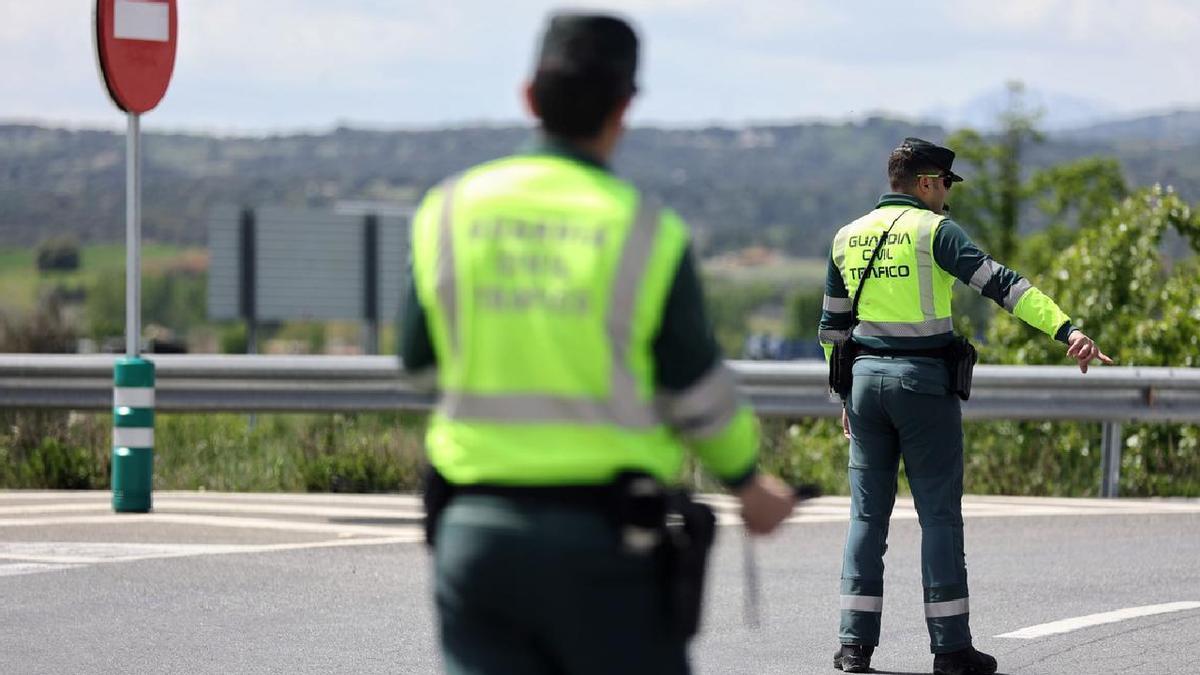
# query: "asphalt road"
[[321, 584]]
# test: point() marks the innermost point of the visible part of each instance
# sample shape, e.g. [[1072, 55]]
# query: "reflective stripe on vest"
[[623, 407], [1015, 293], [447, 280], [836, 305], [925, 268], [897, 329], [704, 409], [989, 269]]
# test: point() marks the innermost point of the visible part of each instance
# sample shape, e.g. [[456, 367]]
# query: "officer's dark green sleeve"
[[415, 348], [954, 252], [697, 390], [835, 309]]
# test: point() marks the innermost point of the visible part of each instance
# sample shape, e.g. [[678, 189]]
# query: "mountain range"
[[787, 186]]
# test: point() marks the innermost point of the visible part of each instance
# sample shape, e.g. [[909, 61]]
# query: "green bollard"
[[133, 435]]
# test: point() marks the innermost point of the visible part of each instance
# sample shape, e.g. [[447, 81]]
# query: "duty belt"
[[591, 496], [945, 353]]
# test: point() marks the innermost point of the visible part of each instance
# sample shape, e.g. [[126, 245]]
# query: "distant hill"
[[787, 187], [1179, 127], [1058, 111]]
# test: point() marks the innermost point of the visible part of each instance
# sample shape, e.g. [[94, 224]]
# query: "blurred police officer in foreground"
[[906, 369], [562, 309]]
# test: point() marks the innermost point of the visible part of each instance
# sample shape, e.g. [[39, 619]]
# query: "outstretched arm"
[[954, 252]]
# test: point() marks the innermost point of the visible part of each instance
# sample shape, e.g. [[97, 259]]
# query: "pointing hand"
[[1083, 350]]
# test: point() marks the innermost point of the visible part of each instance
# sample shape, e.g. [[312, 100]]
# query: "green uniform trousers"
[[530, 588], [902, 407]]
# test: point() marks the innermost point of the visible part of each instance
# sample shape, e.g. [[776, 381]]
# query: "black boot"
[[853, 658], [969, 661]]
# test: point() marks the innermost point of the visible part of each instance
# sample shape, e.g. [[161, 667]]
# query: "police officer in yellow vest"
[[901, 403], [563, 312]]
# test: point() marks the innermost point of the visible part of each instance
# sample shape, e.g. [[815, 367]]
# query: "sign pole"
[[133, 376], [133, 236]]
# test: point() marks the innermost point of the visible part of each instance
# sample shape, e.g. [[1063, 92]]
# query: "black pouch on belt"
[[961, 362], [436, 496]]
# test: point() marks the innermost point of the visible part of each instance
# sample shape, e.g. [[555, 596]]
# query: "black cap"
[[939, 157], [589, 45]]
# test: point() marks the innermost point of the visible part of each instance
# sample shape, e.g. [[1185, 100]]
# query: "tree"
[[1071, 196], [999, 198], [1141, 309], [1117, 286], [991, 201]]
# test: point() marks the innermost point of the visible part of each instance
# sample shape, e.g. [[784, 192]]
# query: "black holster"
[[841, 367], [682, 530], [686, 547]]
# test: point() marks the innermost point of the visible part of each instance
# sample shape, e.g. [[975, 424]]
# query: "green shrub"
[[58, 254], [53, 450]]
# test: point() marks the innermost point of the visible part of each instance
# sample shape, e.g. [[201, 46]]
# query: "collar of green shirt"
[[901, 199], [546, 144]]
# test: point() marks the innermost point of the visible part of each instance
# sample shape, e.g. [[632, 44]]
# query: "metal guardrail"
[[212, 383], [229, 383]]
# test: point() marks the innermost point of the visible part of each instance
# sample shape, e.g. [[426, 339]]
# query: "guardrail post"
[[248, 278], [371, 283], [1110, 460], [133, 435]]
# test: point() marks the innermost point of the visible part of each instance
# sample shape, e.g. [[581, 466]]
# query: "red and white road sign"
[[135, 44]]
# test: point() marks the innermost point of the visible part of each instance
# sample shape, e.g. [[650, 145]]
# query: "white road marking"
[[1076, 623], [340, 499], [23, 495], [105, 497], [214, 521], [194, 505], [14, 569], [833, 511], [71, 554], [398, 516], [189, 507], [37, 557]]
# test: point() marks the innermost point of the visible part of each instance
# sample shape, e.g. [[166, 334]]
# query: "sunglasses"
[[946, 179]]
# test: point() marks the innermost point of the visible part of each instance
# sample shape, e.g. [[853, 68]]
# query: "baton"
[[751, 606]]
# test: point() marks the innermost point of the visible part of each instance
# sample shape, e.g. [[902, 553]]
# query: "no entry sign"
[[135, 47], [135, 43]]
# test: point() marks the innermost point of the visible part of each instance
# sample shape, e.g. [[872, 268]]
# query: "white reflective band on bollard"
[[133, 437], [133, 397]]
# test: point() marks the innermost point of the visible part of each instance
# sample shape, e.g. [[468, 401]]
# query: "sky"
[[265, 66]]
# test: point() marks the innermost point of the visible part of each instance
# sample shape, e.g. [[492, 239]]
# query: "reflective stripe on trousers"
[[862, 603], [939, 610]]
